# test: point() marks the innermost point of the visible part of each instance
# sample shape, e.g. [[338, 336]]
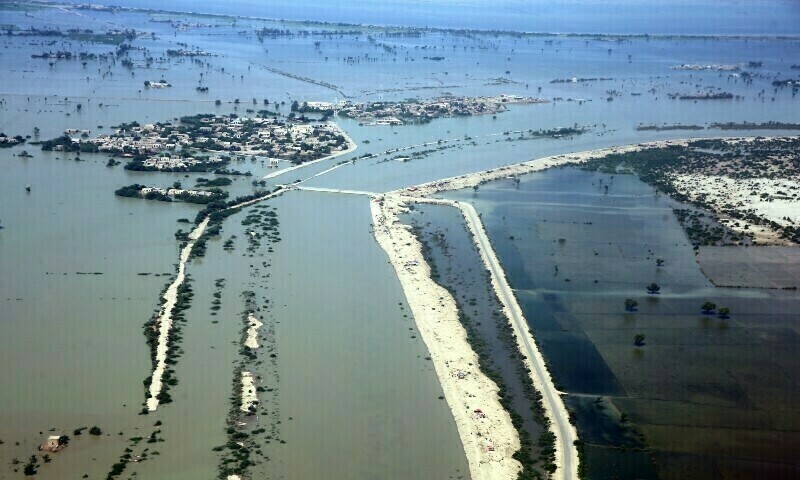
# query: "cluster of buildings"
[[138, 140], [158, 84], [76, 131], [270, 137], [174, 192], [699, 67], [6, 141], [396, 113], [174, 162]]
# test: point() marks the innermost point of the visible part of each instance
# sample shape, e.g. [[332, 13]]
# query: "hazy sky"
[[579, 16]]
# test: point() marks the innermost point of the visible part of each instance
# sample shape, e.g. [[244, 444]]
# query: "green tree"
[[631, 304], [724, 312], [638, 339], [95, 431], [708, 307], [30, 467], [659, 262], [653, 288]]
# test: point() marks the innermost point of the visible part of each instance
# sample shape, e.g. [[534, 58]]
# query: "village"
[[171, 194], [398, 113], [171, 146]]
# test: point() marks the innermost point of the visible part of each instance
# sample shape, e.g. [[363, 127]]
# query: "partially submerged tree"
[[638, 339], [631, 304], [708, 307], [653, 288], [724, 312]]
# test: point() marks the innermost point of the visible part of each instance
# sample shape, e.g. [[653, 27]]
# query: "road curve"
[[566, 435]]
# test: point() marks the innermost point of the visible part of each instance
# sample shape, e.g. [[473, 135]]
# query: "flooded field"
[[574, 253], [344, 388], [765, 267]]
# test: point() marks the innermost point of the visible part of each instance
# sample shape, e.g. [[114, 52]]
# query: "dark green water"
[[703, 394]]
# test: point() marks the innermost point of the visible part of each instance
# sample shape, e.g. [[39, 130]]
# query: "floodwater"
[[574, 253], [355, 398]]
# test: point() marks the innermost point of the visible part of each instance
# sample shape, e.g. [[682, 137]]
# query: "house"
[[147, 190], [302, 129], [54, 443], [320, 105]]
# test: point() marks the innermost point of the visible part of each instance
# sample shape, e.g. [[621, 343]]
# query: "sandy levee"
[[249, 396], [165, 318], [253, 324], [487, 434], [565, 456], [536, 165], [171, 297]]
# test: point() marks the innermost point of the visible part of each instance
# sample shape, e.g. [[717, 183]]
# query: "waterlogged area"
[[574, 253], [366, 388], [341, 387]]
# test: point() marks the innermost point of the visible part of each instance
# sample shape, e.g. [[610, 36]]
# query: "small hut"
[[54, 443]]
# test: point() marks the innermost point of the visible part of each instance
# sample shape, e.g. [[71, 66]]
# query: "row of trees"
[[707, 308]]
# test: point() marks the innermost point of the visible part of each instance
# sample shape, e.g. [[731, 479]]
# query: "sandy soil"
[[249, 396], [252, 331], [165, 318], [745, 195], [485, 428]]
